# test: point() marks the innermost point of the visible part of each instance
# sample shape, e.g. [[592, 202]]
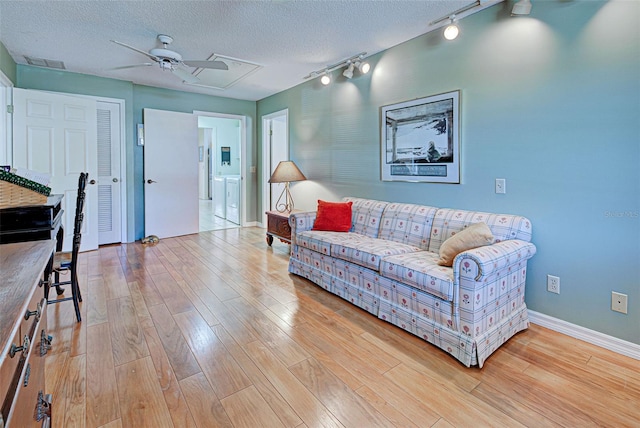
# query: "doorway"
[[275, 148], [220, 165]]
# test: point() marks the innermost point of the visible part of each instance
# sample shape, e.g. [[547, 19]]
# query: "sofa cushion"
[[368, 252], [473, 236], [407, 223], [366, 215], [320, 241], [333, 216], [448, 221], [421, 270]]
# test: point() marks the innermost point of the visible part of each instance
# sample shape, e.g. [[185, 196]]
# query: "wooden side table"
[[278, 226]]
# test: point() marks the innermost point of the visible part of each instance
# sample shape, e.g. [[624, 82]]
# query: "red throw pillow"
[[333, 216]]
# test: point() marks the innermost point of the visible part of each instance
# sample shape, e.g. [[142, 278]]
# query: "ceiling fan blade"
[[146, 64], [185, 75], [216, 65], [147, 54]]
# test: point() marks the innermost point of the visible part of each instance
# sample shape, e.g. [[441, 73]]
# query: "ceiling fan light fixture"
[[172, 61]]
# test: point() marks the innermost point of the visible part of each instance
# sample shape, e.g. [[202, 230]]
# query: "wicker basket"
[[12, 195]]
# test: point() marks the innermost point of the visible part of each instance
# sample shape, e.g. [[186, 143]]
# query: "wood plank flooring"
[[210, 330]]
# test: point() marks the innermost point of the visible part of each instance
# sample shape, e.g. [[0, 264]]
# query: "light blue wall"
[[550, 102], [136, 98]]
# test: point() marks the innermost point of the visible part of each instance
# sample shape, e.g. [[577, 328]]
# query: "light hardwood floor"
[[210, 330]]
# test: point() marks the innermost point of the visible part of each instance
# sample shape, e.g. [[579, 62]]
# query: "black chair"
[[67, 261]]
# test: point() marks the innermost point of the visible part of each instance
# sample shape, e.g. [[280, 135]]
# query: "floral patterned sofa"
[[387, 265]]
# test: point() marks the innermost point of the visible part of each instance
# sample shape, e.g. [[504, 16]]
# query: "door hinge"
[[10, 109]]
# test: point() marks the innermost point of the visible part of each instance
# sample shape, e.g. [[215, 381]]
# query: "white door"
[[170, 173], [56, 134], [109, 178]]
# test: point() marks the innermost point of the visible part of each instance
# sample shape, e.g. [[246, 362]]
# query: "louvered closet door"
[[109, 186]]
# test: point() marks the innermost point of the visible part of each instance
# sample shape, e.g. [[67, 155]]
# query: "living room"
[[542, 98]]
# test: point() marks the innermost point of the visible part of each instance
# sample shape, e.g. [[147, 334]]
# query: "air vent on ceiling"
[[49, 63], [223, 79]]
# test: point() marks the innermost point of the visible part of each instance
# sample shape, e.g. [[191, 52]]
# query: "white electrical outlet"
[[553, 284], [618, 302], [501, 185]]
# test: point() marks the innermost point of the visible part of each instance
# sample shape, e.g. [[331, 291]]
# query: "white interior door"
[[109, 178], [170, 173], [56, 134]]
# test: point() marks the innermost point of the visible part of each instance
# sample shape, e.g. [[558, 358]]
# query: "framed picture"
[[420, 139]]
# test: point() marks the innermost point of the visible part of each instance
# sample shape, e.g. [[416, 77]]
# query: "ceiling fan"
[[171, 60]]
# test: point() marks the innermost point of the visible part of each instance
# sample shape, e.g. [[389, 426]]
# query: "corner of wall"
[[7, 64]]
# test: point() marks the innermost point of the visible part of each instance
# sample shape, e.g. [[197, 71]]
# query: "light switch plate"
[[501, 185]]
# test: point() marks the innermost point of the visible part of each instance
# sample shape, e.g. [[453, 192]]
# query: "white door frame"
[[243, 156], [6, 120], [266, 158]]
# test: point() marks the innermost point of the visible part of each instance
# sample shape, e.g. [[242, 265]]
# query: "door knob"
[[92, 182], [115, 180], [151, 181]]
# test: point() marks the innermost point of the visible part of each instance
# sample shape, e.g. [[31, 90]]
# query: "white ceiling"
[[288, 38]]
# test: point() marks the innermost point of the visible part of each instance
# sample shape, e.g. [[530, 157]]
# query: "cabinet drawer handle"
[[43, 407], [24, 348], [37, 312], [45, 343], [27, 375]]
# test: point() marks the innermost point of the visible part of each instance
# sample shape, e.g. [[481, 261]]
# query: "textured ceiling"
[[288, 38]]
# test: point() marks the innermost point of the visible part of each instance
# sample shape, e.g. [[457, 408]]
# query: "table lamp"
[[286, 172]]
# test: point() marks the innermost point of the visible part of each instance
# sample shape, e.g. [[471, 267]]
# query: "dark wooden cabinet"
[[278, 226]]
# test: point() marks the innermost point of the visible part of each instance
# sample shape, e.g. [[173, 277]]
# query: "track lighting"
[[523, 7], [451, 31], [364, 67], [348, 72], [356, 61]]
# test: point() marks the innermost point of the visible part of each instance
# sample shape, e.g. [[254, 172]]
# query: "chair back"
[[82, 183], [77, 237]]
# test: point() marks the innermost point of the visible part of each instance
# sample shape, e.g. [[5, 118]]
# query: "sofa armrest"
[[482, 262], [300, 222]]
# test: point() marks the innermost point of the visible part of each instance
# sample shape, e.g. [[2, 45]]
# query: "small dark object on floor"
[[151, 239]]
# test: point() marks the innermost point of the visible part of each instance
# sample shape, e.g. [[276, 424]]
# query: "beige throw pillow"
[[476, 235]]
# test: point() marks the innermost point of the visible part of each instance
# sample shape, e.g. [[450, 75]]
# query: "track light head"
[[348, 72], [451, 31], [325, 79], [364, 67], [521, 8]]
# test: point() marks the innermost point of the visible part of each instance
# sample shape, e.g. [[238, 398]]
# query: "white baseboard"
[[591, 336]]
